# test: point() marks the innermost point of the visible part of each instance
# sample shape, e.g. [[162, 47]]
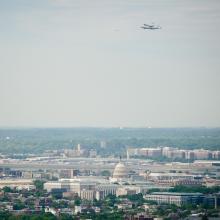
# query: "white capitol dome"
[[120, 171]]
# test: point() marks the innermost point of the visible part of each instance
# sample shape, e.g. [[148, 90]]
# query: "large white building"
[[106, 189], [120, 171], [128, 190], [70, 185], [85, 188], [87, 194], [174, 153], [17, 183]]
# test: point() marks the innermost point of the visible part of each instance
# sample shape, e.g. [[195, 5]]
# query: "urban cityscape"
[[84, 182], [109, 110]]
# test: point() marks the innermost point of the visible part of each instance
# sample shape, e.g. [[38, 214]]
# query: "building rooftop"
[[176, 194]]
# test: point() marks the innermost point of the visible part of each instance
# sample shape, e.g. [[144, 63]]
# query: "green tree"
[[18, 205], [105, 173], [39, 184], [205, 217], [77, 201], [7, 189]]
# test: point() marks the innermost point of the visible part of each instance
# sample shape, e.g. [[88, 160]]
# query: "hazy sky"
[[88, 63]]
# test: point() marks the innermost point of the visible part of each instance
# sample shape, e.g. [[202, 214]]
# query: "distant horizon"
[[106, 127]]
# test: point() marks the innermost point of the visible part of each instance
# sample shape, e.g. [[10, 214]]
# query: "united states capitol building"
[[98, 187]]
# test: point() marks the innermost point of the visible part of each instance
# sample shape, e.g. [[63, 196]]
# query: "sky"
[[71, 63]]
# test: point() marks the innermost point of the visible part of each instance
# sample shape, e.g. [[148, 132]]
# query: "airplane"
[[150, 27]]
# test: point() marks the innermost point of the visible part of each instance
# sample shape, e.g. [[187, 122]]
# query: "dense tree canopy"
[[38, 140], [196, 189]]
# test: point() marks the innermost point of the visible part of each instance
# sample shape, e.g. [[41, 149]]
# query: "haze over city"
[[88, 63], [109, 110]]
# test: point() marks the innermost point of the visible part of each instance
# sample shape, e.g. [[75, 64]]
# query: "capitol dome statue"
[[120, 171]]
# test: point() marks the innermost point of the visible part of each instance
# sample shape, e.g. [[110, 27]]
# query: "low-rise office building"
[[178, 199], [17, 183], [128, 190]]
